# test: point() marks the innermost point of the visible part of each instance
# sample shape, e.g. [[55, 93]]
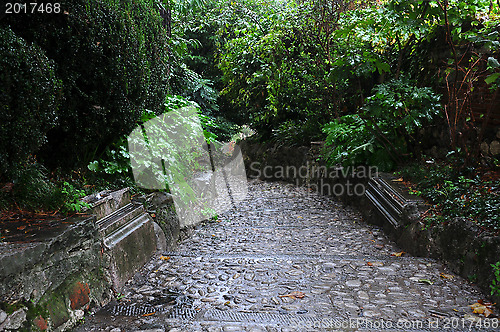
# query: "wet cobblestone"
[[283, 256]]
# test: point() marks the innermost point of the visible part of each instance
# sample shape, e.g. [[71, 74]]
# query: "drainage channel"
[[295, 321]]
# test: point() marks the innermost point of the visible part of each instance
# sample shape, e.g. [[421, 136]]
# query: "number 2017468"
[[32, 8]]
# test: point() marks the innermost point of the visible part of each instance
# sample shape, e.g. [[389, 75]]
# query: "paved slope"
[[289, 260]]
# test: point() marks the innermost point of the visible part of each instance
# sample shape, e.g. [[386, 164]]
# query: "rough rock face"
[[15, 321], [56, 277], [495, 148], [30, 269], [160, 205]]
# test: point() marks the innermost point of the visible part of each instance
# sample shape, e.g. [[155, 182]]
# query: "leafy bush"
[[296, 132], [350, 142], [71, 197], [29, 99], [382, 134], [456, 193], [274, 66], [112, 59], [33, 190], [116, 159]]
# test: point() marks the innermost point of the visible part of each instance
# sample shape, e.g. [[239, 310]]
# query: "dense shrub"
[[456, 193], [384, 132], [29, 99], [284, 67], [112, 59]]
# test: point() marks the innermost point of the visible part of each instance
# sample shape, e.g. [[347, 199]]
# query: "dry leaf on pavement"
[[294, 295], [482, 308]]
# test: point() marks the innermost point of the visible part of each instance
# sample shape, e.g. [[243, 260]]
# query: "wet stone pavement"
[[286, 259]]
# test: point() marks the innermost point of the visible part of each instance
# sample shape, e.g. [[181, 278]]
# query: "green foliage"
[[383, 131], [195, 75], [273, 68], [116, 159], [72, 198], [294, 132], [34, 190], [30, 95], [310, 61], [284, 64], [112, 59], [401, 105], [457, 193], [495, 284], [190, 84], [349, 142], [493, 79]]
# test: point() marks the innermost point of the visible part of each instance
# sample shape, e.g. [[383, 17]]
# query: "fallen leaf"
[[164, 258], [482, 308], [427, 281], [294, 295], [447, 276], [478, 308], [398, 254]]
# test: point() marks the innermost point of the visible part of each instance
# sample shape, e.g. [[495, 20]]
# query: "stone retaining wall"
[[48, 284], [51, 283]]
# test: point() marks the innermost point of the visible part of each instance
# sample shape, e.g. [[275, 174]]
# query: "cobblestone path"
[[289, 260]]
